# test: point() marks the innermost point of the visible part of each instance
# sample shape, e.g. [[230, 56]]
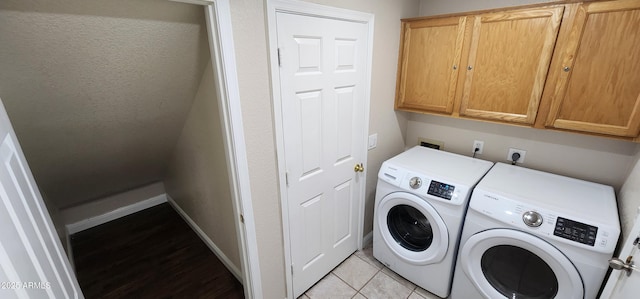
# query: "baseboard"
[[368, 239], [225, 260], [115, 214]]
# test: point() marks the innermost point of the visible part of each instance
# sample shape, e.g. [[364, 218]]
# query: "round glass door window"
[[518, 273], [409, 228]]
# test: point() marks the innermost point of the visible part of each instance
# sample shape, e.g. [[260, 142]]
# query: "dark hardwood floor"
[[150, 254]]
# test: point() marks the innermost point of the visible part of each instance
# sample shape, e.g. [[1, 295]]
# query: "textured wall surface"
[[197, 177], [602, 160], [629, 198], [437, 7], [98, 91]]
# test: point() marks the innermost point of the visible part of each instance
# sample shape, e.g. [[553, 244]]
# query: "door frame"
[[312, 10], [223, 61], [220, 33]]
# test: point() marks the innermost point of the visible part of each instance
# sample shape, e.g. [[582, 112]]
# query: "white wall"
[[438, 7], [248, 21], [598, 159], [197, 176], [629, 197]]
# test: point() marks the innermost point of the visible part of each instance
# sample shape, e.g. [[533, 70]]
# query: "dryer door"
[[412, 228], [506, 263]]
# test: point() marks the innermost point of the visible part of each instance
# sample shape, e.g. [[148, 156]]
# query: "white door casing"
[[570, 284], [321, 100], [620, 285], [221, 46], [440, 242], [32, 259]]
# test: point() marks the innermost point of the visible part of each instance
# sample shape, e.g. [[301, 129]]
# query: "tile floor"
[[362, 276]]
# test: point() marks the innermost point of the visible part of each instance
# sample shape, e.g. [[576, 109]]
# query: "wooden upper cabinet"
[[428, 64], [573, 66], [598, 80], [508, 61]]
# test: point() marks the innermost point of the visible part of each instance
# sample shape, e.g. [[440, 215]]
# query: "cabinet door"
[[508, 62], [598, 87], [428, 64]]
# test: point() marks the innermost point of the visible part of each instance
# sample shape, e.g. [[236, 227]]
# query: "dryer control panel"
[[576, 231], [569, 229]]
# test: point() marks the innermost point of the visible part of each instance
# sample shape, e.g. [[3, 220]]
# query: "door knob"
[[358, 168], [618, 264]]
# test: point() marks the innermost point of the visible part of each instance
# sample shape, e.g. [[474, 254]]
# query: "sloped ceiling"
[[98, 91]]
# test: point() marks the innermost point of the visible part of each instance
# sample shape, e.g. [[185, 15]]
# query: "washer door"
[[505, 263], [412, 228]]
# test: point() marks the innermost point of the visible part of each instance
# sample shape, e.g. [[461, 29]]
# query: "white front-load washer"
[[421, 199], [531, 234]]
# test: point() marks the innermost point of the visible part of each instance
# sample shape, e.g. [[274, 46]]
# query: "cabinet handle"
[[455, 67], [566, 69], [469, 67]]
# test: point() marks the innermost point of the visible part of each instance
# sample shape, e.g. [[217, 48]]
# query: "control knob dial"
[[532, 218], [415, 182]]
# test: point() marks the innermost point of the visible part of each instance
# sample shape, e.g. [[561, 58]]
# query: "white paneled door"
[[322, 81], [32, 261]]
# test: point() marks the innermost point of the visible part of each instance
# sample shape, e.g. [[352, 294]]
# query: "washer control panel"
[[425, 186], [441, 190], [576, 231]]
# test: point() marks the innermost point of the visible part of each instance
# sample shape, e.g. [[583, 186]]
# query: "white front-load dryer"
[[421, 199], [531, 234]]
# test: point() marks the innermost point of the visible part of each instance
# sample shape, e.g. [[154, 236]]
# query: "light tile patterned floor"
[[362, 276]]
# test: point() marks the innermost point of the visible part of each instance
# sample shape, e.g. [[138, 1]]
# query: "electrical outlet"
[[519, 151], [477, 144]]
